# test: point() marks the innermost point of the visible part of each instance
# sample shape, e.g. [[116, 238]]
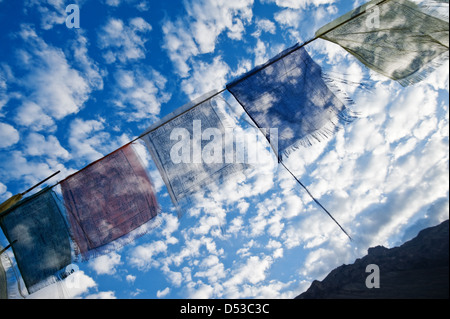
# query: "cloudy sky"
[[70, 96]]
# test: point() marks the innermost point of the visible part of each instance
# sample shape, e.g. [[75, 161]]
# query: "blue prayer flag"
[[39, 236], [290, 93]]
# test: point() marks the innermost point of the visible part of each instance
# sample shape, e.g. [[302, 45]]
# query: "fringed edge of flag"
[[424, 71], [437, 9], [120, 242], [334, 78], [47, 282], [186, 201], [336, 123]]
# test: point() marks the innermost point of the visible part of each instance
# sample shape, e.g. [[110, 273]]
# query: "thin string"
[[315, 200]]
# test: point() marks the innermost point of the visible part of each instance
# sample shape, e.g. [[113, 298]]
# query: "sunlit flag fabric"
[[40, 240], [10, 283], [191, 148], [290, 93], [10, 202], [109, 199], [3, 282], [397, 38]]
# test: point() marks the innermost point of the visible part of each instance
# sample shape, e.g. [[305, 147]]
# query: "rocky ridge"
[[417, 269]]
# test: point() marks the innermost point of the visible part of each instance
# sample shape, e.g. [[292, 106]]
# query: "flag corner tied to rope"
[[38, 234], [290, 93], [189, 147], [110, 203], [10, 202], [400, 39]]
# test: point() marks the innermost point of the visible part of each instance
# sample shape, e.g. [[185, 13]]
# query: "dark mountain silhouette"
[[417, 269]]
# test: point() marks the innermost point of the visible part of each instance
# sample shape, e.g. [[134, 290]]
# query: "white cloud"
[[264, 25], [53, 12], [321, 261], [175, 277], [171, 224], [235, 225], [102, 295], [213, 216], [206, 77], [199, 290], [89, 68], [289, 18], [55, 89], [33, 116], [260, 52], [113, 3], [16, 166], [124, 42], [244, 66], [87, 139], [212, 18], [277, 248], [4, 194], [39, 145], [198, 31], [252, 272], [140, 5], [163, 293], [299, 4], [106, 264], [212, 269], [8, 135], [139, 94], [3, 86], [180, 45], [191, 250], [142, 257], [422, 103], [130, 278]]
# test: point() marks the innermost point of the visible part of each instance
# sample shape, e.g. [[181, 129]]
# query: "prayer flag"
[[193, 147], [397, 38], [107, 200], [40, 239], [290, 93]]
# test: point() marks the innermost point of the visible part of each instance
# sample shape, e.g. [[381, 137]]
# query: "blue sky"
[[70, 96]]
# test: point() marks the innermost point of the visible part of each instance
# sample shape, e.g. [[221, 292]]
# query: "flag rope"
[[315, 200], [236, 81], [295, 48]]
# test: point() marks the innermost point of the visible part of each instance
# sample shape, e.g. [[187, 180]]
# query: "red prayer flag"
[[108, 199]]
